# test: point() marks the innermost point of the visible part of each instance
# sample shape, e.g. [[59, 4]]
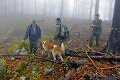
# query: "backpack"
[[64, 31]]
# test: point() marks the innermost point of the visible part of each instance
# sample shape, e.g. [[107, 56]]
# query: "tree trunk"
[[22, 7], [74, 8], [35, 8], [5, 3], [110, 9], [9, 7], [91, 7], [44, 8], [113, 44], [15, 6], [97, 7], [2, 7], [61, 13], [27, 6]]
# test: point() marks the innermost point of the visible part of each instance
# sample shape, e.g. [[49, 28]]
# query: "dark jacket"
[[97, 29], [33, 36]]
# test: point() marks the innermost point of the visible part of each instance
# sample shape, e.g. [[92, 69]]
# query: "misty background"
[[16, 16]]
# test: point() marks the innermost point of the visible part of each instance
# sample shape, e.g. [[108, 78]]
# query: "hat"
[[97, 15], [58, 19], [34, 21]]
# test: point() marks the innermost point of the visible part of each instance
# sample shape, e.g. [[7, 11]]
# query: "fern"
[[25, 45], [13, 47], [19, 46]]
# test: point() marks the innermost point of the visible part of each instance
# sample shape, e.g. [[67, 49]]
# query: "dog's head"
[[42, 43]]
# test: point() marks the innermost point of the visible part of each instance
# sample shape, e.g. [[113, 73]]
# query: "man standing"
[[61, 32], [34, 33], [96, 30]]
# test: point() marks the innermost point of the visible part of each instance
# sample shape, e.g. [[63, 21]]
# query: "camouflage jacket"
[[61, 32], [97, 29]]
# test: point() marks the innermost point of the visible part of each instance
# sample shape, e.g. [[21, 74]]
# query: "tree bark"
[[97, 7], [61, 13], [35, 8], [9, 7], [110, 9], [22, 6], [44, 8], [91, 7], [113, 44]]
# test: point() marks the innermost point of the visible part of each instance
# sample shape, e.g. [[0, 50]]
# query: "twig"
[[89, 48], [115, 76], [92, 62], [93, 50], [110, 67]]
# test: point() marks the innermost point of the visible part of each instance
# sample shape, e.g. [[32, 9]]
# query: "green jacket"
[[57, 32], [97, 29]]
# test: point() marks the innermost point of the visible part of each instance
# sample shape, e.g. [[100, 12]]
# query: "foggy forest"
[[82, 56]]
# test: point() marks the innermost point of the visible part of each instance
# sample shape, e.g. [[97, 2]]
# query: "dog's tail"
[[62, 47]]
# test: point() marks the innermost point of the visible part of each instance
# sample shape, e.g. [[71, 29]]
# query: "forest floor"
[[39, 68]]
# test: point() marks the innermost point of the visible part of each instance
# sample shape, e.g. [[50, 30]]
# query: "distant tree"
[[113, 44], [97, 6], [62, 8], [110, 9], [91, 7], [27, 6], [35, 8], [22, 6], [15, 6], [5, 6], [44, 8], [1, 6], [9, 6], [75, 9]]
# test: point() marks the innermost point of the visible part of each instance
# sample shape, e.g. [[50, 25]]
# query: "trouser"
[[97, 39], [33, 47], [59, 40]]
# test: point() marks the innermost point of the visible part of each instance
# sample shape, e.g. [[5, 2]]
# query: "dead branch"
[[92, 62]]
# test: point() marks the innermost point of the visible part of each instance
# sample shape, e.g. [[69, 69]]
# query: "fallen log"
[[104, 57], [14, 55], [69, 51]]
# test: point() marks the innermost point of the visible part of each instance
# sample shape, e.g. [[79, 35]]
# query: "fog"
[[16, 15], [81, 9]]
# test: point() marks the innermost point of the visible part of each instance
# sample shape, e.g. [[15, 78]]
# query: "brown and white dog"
[[55, 49]]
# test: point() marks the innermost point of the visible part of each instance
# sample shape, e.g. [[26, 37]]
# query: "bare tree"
[[75, 9], [9, 7], [5, 6], [27, 5], [22, 6], [44, 8], [113, 44], [91, 7], [110, 9], [15, 6], [62, 5], [97, 6], [35, 8], [1, 6]]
